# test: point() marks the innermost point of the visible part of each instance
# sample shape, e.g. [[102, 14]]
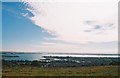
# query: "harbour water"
[[37, 56]]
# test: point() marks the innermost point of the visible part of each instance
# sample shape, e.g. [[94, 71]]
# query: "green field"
[[111, 70]]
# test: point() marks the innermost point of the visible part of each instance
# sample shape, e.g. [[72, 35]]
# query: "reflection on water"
[[21, 56], [37, 56]]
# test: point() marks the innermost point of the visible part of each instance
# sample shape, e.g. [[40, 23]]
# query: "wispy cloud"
[[76, 22], [99, 27], [76, 48], [66, 20]]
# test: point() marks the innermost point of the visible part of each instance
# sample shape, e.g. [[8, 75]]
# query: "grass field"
[[66, 71]]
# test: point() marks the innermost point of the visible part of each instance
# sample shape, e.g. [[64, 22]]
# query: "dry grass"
[[67, 71]]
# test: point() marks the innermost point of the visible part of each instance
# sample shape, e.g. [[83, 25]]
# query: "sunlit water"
[[37, 56]]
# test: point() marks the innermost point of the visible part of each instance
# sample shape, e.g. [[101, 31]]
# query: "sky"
[[60, 26]]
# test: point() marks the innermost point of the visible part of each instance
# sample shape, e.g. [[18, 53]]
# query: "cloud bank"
[[75, 22]]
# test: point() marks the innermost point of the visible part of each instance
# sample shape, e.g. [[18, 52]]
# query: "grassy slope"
[[68, 71]]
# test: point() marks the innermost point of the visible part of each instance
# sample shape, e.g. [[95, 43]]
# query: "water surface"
[[38, 56]]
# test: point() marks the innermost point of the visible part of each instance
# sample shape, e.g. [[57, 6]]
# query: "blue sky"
[[18, 30], [60, 27]]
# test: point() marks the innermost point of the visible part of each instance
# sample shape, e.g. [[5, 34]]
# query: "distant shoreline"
[[60, 53]]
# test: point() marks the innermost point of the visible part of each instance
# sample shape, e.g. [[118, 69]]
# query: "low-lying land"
[[111, 70], [62, 66], [38, 68]]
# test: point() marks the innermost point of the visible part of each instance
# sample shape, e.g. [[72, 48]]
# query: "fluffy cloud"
[[77, 21]]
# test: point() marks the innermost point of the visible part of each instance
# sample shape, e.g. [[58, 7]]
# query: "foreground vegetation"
[[111, 70], [61, 66]]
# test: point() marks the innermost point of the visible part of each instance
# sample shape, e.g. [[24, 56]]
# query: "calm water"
[[37, 56], [22, 56]]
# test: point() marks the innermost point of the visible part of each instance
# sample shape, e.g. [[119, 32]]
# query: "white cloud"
[[25, 14], [71, 48], [67, 20], [76, 22]]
